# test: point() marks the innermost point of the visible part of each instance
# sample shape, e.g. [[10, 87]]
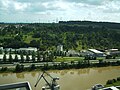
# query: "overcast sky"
[[56, 10]]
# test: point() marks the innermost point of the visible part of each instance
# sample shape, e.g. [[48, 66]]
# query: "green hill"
[[72, 34]]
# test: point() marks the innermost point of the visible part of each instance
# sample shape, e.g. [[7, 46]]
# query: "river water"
[[73, 79]]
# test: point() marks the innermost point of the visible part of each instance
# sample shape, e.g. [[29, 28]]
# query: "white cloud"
[[112, 7], [21, 6], [99, 10], [5, 3], [12, 6]]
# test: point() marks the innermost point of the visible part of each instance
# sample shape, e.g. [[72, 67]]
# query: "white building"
[[60, 48], [27, 49], [1, 48], [97, 53], [112, 52], [73, 53], [86, 52]]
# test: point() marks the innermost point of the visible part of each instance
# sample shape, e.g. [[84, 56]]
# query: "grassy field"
[[63, 59], [28, 38]]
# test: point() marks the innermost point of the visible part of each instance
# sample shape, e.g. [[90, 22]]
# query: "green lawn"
[[61, 59], [100, 58], [28, 38]]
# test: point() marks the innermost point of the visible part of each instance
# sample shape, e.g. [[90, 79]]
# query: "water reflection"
[[72, 72], [63, 72], [104, 69], [20, 75], [84, 71], [4, 74], [33, 74]]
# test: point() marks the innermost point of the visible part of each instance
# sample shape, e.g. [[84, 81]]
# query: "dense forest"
[[72, 34]]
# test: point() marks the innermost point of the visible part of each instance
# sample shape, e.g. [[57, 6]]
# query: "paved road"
[[53, 63]]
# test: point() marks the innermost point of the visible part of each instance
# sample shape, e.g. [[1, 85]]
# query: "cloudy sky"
[[56, 10]]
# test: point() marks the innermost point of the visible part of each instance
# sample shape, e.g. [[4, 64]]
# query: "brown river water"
[[73, 79]]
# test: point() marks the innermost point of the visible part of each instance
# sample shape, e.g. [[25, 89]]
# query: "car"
[[97, 87]]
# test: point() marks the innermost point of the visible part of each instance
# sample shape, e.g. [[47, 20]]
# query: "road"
[[53, 63]]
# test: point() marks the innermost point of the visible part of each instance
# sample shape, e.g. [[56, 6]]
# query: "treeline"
[[112, 25], [72, 36]]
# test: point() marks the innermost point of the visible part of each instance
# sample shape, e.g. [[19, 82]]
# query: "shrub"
[[19, 68], [114, 80], [32, 67], [101, 61], [109, 82], [3, 68], [118, 79]]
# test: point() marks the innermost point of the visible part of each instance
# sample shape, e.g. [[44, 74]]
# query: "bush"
[[118, 62], [3, 68], [101, 61], [118, 79], [19, 68], [109, 82], [32, 67], [114, 80]]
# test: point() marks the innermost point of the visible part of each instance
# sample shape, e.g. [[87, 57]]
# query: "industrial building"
[[97, 53]]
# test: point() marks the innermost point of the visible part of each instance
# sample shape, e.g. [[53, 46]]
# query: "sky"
[[48, 11]]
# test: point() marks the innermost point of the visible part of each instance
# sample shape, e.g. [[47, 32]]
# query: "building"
[[73, 53], [96, 53], [86, 53], [1, 48], [112, 52], [60, 48], [27, 49], [9, 49]]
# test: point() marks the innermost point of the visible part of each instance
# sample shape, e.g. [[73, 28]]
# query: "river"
[[73, 79]]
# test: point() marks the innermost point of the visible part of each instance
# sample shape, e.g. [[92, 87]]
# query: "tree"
[[4, 58], [19, 68], [10, 58], [10, 51], [22, 58], [16, 58], [1, 51], [5, 51], [51, 56], [32, 67], [33, 56], [38, 56], [44, 54], [27, 58], [35, 43]]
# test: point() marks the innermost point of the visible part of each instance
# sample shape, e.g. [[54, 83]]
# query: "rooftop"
[[95, 51]]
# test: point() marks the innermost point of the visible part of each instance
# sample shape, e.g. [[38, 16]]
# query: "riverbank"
[[57, 66]]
